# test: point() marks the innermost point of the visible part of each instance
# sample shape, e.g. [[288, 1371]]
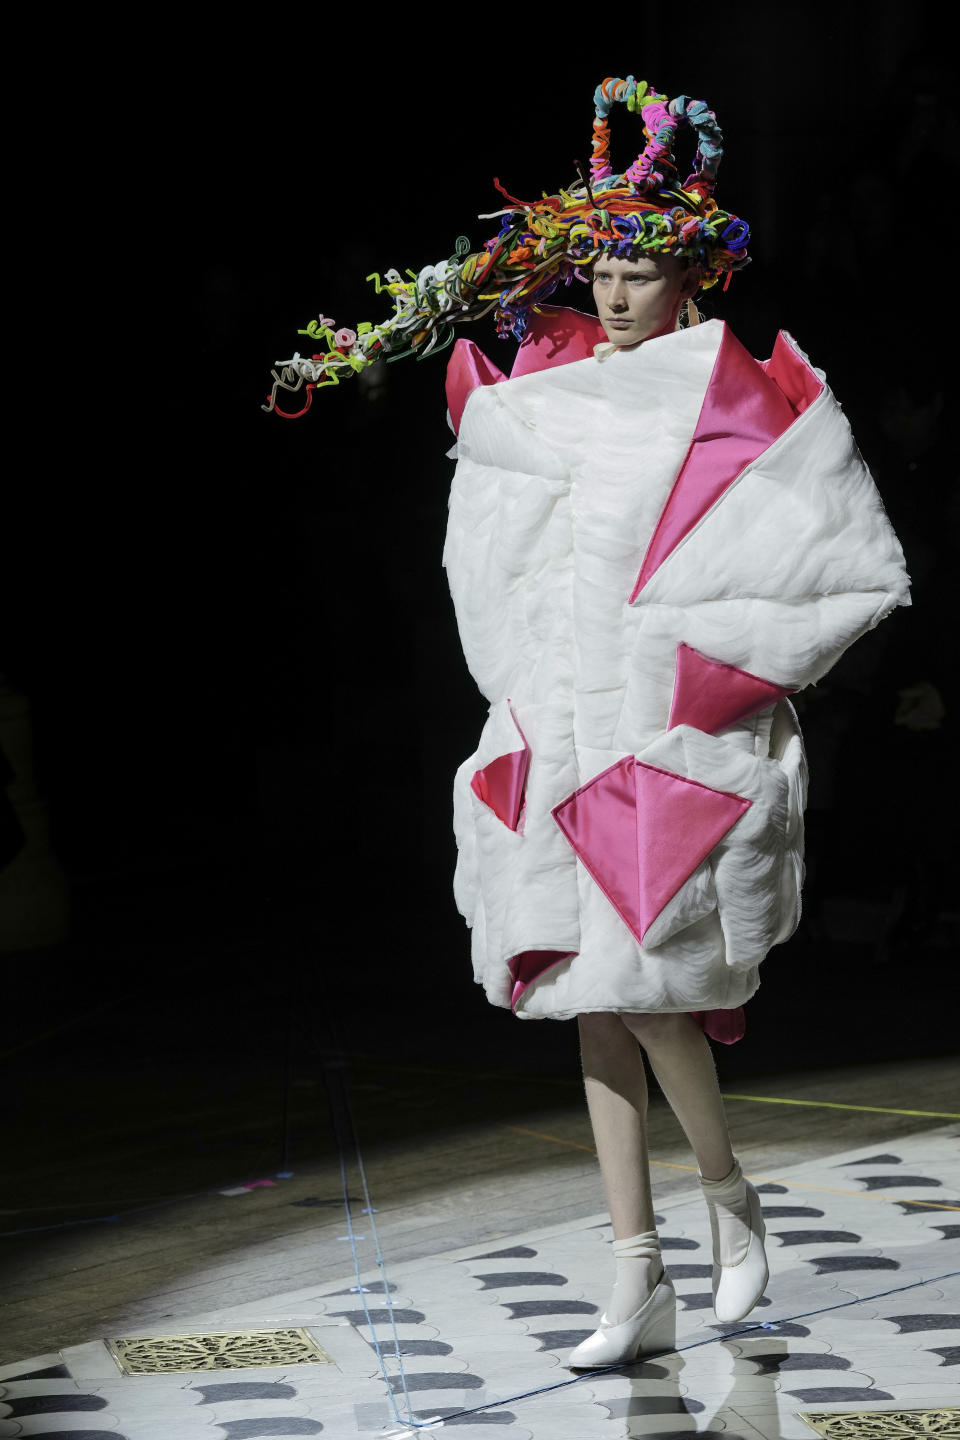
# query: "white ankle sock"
[[639, 1268], [729, 1215]]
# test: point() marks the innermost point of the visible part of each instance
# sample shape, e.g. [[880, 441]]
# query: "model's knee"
[[600, 1027], [602, 1033]]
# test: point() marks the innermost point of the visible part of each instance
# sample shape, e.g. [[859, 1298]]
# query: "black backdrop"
[[249, 699]]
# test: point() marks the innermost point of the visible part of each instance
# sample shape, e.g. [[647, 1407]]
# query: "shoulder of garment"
[[558, 338]]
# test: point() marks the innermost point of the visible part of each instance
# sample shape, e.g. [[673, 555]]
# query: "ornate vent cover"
[[943, 1423], [219, 1350]]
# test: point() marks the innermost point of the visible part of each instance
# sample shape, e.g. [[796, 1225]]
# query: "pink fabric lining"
[[709, 694], [744, 411], [529, 965], [557, 336], [500, 783], [467, 368], [727, 1026], [641, 832], [792, 374]]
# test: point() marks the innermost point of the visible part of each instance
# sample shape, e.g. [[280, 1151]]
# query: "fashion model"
[[653, 541]]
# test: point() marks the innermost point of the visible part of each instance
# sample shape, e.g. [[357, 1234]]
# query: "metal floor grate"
[[217, 1350], [941, 1423]]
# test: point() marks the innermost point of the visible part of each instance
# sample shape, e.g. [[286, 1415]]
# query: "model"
[[653, 541]]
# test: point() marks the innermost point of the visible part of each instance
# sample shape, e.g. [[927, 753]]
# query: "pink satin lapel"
[[743, 412], [557, 336], [795, 378], [641, 832], [500, 783], [711, 695], [529, 965], [467, 368]]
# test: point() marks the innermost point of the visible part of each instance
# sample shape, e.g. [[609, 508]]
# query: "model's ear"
[[691, 283]]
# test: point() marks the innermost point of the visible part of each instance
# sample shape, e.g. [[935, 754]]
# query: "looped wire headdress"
[[548, 242]]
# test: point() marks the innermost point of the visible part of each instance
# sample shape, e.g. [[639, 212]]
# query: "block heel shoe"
[[651, 1331], [738, 1287]]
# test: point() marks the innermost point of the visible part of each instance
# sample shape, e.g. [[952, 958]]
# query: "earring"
[[693, 314]]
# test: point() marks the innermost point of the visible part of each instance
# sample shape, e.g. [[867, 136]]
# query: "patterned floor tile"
[[767, 1421], [48, 1366], [916, 1396], [709, 1426], [63, 1424], [479, 1330], [147, 1429]]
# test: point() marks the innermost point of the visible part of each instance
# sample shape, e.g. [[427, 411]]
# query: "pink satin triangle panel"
[[727, 1026], [467, 368], [500, 783], [599, 822], [641, 832], [743, 412], [557, 336], [678, 823], [529, 965], [709, 695]]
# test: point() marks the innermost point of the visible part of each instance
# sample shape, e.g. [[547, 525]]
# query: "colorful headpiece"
[[544, 243]]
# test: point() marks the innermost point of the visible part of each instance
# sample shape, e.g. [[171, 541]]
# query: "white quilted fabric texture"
[[561, 478]]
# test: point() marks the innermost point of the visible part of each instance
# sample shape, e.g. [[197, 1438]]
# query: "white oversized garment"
[[647, 553]]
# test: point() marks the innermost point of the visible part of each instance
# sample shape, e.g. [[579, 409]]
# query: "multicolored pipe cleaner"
[[544, 243]]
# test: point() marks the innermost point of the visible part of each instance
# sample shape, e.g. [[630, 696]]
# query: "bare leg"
[[616, 1089], [680, 1057]]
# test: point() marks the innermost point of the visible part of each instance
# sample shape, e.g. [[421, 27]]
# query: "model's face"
[[638, 299]]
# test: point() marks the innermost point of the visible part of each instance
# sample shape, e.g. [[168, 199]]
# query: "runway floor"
[[496, 1261]]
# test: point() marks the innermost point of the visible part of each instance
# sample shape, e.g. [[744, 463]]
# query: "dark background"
[[248, 698]]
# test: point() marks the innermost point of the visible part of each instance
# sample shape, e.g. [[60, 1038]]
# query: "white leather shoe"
[[651, 1331], [737, 1288]]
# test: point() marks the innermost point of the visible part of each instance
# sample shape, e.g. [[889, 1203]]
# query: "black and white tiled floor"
[[862, 1313]]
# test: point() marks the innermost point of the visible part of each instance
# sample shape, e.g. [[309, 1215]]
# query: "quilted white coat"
[[584, 579]]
